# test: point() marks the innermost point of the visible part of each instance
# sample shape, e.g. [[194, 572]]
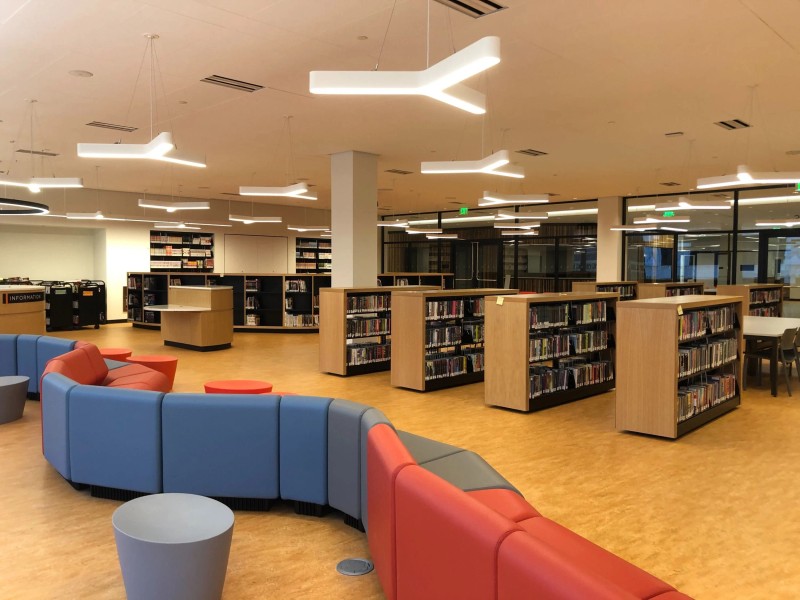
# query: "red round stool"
[[116, 353], [162, 363], [237, 386]]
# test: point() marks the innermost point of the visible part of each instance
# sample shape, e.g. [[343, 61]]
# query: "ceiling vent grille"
[[38, 152], [733, 124], [669, 183], [531, 152], [112, 126], [233, 83], [399, 171], [473, 8]]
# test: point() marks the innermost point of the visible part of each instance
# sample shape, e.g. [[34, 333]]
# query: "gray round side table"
[[173, 546], [13, 392]]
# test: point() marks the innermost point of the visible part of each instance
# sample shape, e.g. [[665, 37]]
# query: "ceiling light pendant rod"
[[385, 35], [428, 39], [33, 173], [150, 45]]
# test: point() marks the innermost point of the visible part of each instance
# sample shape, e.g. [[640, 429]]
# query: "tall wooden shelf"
[[262, 302], [627, 290], [444, 281], [651, 388], [758, 299], [434, 347], [564, 342], [355, 329], [669, 289]]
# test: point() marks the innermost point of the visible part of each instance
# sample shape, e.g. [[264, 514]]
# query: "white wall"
[[36, 253]]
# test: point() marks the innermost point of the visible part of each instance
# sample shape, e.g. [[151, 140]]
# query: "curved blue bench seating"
[[28, 354]]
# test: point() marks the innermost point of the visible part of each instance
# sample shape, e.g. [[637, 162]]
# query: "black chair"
[[787, 354]]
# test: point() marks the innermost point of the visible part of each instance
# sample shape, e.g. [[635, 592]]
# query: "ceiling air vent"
[[233, 83], [473, 8], [112, 126], [398, 171], [669, 183], [38, 152], [733, 124], [531, 152]]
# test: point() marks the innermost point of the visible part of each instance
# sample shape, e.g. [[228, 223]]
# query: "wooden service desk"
[[197, 318], [22, 309]]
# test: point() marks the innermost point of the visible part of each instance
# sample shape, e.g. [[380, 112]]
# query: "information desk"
[[200, 318], [769, 329], [22, 309]]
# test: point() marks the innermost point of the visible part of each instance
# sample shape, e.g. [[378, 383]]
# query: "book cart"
[[758, 299], [549, 349], [437, 341], [355, 326], [678, 362]]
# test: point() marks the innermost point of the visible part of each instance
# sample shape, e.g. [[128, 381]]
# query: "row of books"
[[696, 398], [684, 290], [698, 323], [451, 366], [473, 333], [545, 347], [292, 320], [444, 309], [166, 239], [700, 357], [626, 292], [367, 327], [361, 354], [252, 302], [588, 312], [591, 340], [443, 336], [476, 306], [305, 255], [570, 373], [765, 296], [296, 285], [252, 285], [771, 310], [373, 303], [305, 265], [549, 315]]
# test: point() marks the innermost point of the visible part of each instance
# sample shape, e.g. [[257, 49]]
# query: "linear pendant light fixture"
[[745, 177], [303, 228], [441, 81], [507, 215], [97, 215], [494, 164], [172, 207], [655, 219], [494, 199], [296, 190], [687, 203], [393, 223], [249, 220]]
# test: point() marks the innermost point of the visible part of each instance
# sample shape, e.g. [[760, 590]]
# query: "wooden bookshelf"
[[347, 316], [649, 347], [422, 341], [669, 289], [758, 299], [313, 255], [627, 290], [443, 281], [178, 251], [524, 348]]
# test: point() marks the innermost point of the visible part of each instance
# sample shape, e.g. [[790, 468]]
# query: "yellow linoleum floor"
[[715, 513]]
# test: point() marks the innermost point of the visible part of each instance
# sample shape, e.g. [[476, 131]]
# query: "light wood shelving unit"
[[352, 337], [758, 299], [627, 290], [649, 378], [515, 325], [669, 289], [443, 281], [417, 344]]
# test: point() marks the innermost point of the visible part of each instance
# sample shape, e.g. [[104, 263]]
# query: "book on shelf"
[[361, 354], [444, 309]]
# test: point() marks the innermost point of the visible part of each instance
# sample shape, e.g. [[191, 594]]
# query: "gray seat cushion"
[[468, 471], [424, 449]]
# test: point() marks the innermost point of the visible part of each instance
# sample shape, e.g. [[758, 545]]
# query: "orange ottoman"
[[238, 386], [163, 363], [116, 353]]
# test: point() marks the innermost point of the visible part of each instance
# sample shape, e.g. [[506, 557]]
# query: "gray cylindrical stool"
[[173, 546], [13, 392]]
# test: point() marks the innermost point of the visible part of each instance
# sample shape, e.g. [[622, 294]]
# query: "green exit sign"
[[463, 210], [669, 213], [798, 187]]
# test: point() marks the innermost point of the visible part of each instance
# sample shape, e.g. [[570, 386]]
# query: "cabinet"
[[669, 289], [627, 290], [261, 301], [437, 340], [355, 329], [549, 349], [313, 255], [444, 281], [678, 362], [758, 299], [175, 251]]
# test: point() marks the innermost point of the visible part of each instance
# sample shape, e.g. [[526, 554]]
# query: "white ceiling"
[[594, 83]]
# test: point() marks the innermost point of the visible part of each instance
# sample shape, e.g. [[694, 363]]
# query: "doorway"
[[478, 264]]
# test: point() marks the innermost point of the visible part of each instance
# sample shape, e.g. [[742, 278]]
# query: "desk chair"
[[787, 354]]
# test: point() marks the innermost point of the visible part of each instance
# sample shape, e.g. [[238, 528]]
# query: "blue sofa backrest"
[[28, 354]]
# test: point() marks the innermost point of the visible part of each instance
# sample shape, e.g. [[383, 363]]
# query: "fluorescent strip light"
[[442, 236], [57, 182], [452, 220], [493, 199], [155, 148], [655, 219], [171, 207], [572, 212], [518, 226], [308, 227], [632, 228], [251, 219], [441, 81], [505, 215], [494, 164], [297, 190], [416, 230], [745, 177], [686, 203], [663, 228], [393, 223], [186, 162], [519, 233], [173, 226], [86, 215], [778, 223]]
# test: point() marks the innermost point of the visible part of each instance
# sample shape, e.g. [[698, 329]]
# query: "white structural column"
[[354, 212], [609, 243]]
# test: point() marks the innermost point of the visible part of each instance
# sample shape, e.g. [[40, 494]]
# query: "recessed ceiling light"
[[81, 73]]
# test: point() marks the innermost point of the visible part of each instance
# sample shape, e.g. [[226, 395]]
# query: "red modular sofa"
[[431, 540], [85, 365]]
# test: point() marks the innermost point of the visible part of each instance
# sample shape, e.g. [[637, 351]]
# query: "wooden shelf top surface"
[[404, 291], [561, 297], [384, 288], [671, 303]]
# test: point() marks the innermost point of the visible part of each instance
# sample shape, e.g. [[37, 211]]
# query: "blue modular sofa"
[[28, 354]]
